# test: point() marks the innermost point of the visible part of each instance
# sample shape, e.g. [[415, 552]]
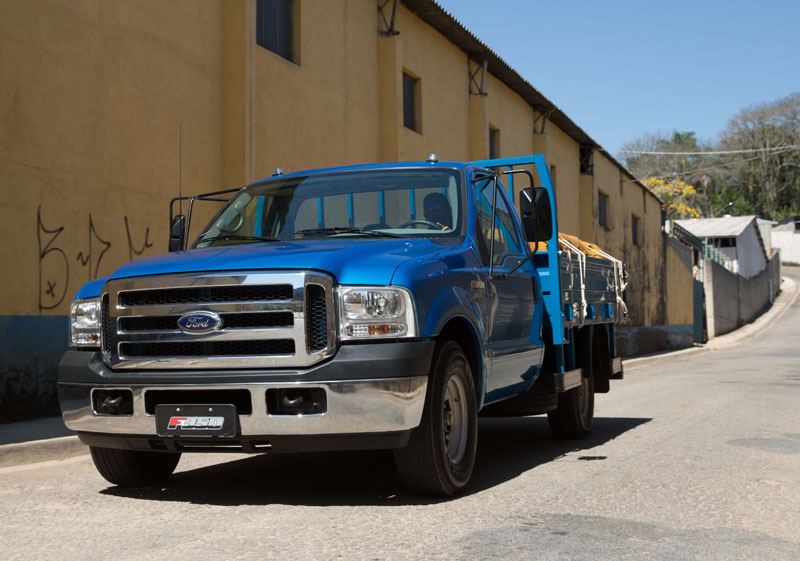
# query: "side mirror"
[[177, 233], [536, 219]]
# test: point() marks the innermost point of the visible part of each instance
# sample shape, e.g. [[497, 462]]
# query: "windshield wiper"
[[347, 230], [237, 237]]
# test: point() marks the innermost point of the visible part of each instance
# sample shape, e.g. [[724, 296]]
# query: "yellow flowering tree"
[[678, 196]]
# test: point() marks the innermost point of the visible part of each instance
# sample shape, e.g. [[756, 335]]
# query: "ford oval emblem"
[[198, 323]]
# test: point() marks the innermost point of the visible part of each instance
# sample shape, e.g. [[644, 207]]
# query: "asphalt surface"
[[693, 456]]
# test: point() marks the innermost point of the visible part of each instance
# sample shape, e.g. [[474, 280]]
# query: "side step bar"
[[564, 381]]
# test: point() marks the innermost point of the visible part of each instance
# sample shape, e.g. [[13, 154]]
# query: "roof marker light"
[[432, 158], [277, 172]]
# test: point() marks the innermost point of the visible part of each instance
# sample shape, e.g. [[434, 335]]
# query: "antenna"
[[180, 168]]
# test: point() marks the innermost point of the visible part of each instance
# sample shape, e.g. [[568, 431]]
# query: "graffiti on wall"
[[93, 255], [145, 245], [55, 257], [53, 266]]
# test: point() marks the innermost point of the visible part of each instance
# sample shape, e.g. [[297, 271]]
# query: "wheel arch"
[[463, 332]]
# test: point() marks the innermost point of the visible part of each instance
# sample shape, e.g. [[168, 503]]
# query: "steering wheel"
[[426, 222]]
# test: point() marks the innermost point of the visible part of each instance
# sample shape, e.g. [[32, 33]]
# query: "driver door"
[[514, 309]]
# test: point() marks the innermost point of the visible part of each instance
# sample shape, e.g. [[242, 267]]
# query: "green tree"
[[754, 167], [769, 176]]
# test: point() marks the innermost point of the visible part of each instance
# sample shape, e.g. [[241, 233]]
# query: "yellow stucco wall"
[[564, 153], [93, 94], [321, 110], [645, 261], [445, 106], [680, 287]]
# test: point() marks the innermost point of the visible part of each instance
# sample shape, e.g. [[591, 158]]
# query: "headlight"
[[85, 323], [367, 312]]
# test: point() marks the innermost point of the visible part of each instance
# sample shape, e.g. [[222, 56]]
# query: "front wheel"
[[440, 454], [134, 468]]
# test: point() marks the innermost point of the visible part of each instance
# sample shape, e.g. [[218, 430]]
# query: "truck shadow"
[[507, 447]]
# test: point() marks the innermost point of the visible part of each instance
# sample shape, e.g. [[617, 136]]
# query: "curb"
[[41, 451], [790, 290]]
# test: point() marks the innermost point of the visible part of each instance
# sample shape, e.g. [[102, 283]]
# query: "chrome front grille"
[[267, 320], [206, 294], [229, 321], [208, 348], [316, 318]]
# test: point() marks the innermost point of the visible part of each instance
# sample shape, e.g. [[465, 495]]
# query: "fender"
[[455, 303]]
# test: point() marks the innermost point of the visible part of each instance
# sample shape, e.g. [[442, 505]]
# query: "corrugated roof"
[[729, 226], [445, 23]]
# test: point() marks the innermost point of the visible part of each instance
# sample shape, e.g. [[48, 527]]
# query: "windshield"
[[409, 202]]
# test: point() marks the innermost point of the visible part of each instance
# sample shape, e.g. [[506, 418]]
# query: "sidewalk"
[[48, 439], [37, 441]]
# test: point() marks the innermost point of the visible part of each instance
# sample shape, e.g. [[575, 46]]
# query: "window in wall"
[[602, 209], [275, 26], [587, 160], [494, 142], [553, 176], [411, 104], [635, 229]]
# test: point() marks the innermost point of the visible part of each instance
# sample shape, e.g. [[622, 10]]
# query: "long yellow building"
[[110, 109]]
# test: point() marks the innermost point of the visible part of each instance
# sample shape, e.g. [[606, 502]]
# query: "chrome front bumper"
[[353, 407]]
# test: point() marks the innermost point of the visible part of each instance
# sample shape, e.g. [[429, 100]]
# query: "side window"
[[504, 232], [275, 27], [411, 102], [602, 209]]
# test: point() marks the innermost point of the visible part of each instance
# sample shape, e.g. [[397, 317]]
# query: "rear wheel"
[[440, 454], [133, 468], [575, 413]]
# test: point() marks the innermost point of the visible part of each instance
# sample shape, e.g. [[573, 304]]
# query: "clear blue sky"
[[622, 68]]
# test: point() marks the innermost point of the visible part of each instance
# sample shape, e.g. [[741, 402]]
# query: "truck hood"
[[350, 261]]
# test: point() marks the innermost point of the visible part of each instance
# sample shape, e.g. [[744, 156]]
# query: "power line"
[[713, 153], [691, 172]]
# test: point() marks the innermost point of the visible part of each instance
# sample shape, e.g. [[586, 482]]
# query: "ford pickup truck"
[[380, 306]]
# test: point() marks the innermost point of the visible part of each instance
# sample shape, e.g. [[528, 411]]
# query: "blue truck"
[[380, 306]]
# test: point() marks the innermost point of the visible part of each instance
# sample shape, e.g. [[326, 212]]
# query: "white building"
[[786, 237], [738, 238]]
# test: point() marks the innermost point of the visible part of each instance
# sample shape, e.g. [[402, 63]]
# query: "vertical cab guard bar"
[[202, 197], [493, 177]]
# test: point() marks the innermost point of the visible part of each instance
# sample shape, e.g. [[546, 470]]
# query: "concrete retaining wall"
[[677, 331], [30, 349], [732, 300], [643, 340]]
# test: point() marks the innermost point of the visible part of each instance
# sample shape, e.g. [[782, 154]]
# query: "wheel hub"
[[455, 422]]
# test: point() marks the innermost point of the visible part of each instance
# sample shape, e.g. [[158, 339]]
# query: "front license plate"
[[201, 421]]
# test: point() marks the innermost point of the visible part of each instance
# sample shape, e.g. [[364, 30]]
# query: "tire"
[[440, 455], [133, 468], [575, 413]]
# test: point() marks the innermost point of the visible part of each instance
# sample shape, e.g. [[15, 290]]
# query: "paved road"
[[696, 457]]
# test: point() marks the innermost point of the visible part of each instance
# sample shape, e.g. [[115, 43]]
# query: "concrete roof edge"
[[430, 12]]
